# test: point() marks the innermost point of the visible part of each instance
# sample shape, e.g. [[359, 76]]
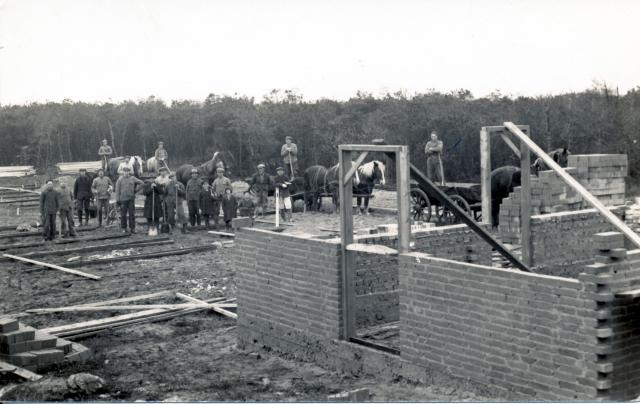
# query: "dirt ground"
[[193, 357]]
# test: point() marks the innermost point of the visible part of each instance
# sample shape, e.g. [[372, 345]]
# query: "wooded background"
[[598, 120]]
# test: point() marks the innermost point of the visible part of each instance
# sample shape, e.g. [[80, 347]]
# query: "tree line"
[[597, 120]]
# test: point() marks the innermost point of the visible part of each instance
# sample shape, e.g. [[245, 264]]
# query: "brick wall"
[[288, 286], [514, 330], [376, 283], [603, 175], [562, 243]]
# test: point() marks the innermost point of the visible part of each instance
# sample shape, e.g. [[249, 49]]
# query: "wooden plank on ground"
[[273, 223], [52, 266], [221, 233], [129, 299], [215, 307], [143, 256], [78, 309]]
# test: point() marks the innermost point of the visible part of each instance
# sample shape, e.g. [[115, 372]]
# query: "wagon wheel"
[[420, 205], [446, 216]]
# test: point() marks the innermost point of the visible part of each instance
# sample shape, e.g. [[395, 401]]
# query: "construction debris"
[[143, 256], [32, 349]]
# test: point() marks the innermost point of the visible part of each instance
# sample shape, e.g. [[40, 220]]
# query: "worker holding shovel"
[[289, 153], [152, 206]]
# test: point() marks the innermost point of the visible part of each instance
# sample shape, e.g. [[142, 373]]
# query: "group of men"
[[63, 201]]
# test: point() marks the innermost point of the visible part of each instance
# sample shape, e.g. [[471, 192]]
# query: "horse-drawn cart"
[[466, 195]]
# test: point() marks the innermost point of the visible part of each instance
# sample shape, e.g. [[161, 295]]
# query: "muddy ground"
[[193, 357]]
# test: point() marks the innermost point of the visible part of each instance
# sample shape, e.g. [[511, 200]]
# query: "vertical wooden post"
[[402, 186], [347, 257], [525, 197], [277, 194], [485, 174]]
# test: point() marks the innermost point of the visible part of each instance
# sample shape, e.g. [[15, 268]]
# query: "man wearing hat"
[[125, 198], [220, 183], [282, 182], [82, 195], [161, 155], [49, 204], [101, 188], [163, 178], [289, 153], [261, 183], [194, 187], [105, 153]]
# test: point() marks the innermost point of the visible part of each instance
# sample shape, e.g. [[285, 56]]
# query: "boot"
[[206, 222], [184, 228], [79, 218]]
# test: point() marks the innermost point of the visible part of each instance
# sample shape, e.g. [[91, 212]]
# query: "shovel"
[[153, 230]]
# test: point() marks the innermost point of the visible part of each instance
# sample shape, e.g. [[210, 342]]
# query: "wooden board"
[[143, 256], [18, 371], [79, 309], [52, 266], [214, 307]]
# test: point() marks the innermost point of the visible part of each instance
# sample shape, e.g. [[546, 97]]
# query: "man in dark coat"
[[65, 206], [261, 182], [82, 194], [194, 186], [152, 203], [49, 204], [229, 207], [125, 198]]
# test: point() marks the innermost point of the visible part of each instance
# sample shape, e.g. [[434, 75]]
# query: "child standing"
[[247, 207], [229, 207], [209, 205]]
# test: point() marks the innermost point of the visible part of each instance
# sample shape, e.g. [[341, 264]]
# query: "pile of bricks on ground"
[[603, 175], [24, 346]]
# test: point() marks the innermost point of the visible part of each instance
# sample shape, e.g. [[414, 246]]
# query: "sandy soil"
[[192, 357]]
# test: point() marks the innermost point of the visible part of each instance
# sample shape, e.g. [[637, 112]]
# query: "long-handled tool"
[[441, 170], [153, 230], [290, 165]]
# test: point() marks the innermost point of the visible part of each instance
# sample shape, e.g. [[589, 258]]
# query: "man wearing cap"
[[161, 155], [163, 177], [49, 203], [220, 183], [105, 153], [289, 153], [433, 150], [125, 198], [82, 195], [261, 182], [194, 187], [174, 193], [65, 209], [101, 188], [282, 182]]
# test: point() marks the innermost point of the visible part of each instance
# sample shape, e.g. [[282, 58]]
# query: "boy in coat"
[[65, 206], [209, 205], [229, 207], [246, 207]]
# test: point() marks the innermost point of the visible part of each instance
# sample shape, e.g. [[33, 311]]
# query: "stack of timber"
[[73, 168], [34, 350], [16, 171], [603, 175]]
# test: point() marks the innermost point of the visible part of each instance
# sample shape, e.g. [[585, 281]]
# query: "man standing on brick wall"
[[433, 150], [49, 204], [282, 182]]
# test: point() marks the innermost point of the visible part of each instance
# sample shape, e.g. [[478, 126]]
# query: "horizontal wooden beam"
[[573, 183], [370, 148], [495, 130]]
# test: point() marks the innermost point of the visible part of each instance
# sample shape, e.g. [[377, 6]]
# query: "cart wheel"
[[446, 216], [420, 205]]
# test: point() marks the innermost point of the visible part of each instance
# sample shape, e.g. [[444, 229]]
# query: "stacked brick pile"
[[549, 194], [603, 175], [32, 349], [632, 216]]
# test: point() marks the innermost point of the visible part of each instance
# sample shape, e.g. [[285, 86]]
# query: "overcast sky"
[[130, 49]]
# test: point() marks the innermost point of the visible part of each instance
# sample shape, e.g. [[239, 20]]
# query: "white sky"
[[130, 49]]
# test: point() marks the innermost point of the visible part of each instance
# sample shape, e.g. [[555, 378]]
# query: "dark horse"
[[206, 170], [319, 180], [560, 156], [503, 181]]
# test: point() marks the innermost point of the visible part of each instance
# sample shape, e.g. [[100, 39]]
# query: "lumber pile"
[[32, 349], [603, 175], [73, 168], [16, 171], [220, 305]]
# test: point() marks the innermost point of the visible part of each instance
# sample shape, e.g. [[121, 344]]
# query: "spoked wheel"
[[420, 205], [446, 216]]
